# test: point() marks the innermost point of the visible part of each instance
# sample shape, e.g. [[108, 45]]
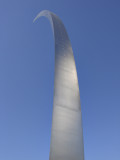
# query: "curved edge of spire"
[[47, 14], [44, 13]]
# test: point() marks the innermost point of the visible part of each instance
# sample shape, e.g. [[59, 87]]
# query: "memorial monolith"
[[67, 132]]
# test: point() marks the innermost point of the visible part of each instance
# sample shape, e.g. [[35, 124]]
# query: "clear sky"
[[27, 73]]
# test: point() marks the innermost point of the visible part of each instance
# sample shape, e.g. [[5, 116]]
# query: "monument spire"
[[67, 132]]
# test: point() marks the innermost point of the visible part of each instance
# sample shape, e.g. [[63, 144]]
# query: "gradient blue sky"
[[27, 73]]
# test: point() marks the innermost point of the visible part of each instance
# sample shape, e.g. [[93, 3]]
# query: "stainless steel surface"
[[67, 134]]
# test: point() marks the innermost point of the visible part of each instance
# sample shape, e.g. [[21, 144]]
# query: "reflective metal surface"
[[67, 134]]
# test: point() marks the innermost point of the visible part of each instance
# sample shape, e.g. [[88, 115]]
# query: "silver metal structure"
[[67, 133]]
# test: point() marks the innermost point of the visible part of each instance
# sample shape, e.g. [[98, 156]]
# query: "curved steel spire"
[[67, 134]]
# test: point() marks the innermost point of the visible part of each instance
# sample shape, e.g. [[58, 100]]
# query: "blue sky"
[[27, 74]]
